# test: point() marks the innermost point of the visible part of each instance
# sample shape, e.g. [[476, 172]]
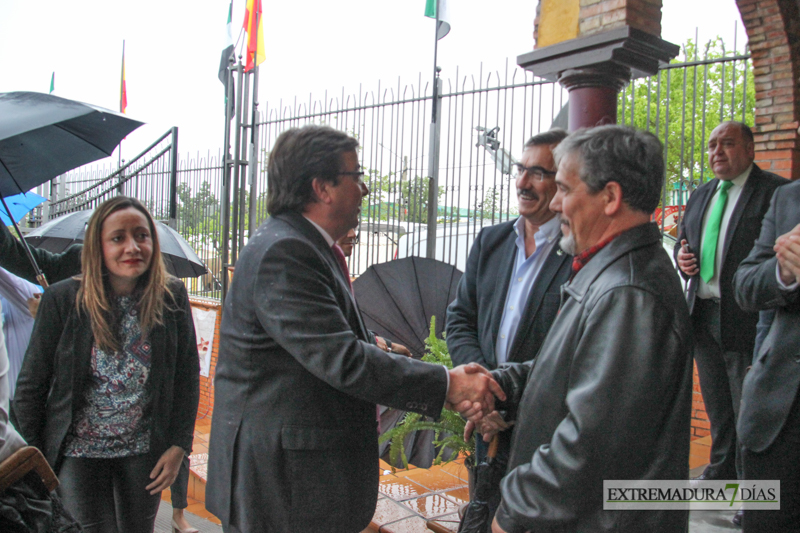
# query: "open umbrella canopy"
[[42, 136], [20, 205], [61, 233], [398, 298]]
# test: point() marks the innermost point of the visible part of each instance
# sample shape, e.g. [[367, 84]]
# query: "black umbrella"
[[42, 136], [59, 234], [478, 515], [398, 298]]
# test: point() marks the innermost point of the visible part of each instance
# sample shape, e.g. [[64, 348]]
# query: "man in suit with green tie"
[[721, 222]]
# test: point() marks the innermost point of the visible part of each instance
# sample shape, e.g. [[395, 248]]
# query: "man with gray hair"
[[609, 395]]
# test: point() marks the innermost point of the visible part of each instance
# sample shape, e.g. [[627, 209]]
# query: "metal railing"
[[481, 117], [151, 176]]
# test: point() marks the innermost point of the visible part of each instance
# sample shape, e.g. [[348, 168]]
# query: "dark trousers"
[[780, 461], [180, 487], [721, 376], [108, 495]]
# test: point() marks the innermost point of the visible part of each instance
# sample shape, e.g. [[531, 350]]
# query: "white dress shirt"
[[523, 276], [10, 440], [711, 289], [17, 320]]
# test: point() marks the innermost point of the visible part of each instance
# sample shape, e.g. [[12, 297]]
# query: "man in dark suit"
[[721, 222], [509, 293], [294, 440], [769, 421]]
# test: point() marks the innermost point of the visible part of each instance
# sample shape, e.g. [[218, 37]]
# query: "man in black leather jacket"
[[609, 395]]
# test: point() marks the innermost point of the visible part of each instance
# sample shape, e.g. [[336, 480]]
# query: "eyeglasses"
[[537, 172], [357, 174]]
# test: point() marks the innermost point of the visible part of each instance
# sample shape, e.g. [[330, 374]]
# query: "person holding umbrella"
[[110, 383], [65, 264]]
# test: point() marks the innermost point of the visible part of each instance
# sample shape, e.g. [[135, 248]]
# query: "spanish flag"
[[255, 35], [123, 92]]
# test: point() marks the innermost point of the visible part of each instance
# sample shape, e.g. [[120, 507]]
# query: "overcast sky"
[[173, 50]]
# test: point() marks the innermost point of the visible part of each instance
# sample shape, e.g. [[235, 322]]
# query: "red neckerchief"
[[580, 260]]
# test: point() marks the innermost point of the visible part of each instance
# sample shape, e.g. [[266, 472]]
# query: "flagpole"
[[253, 155], [433, 151]]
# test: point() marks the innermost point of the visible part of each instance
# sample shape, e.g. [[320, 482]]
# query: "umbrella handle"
[[38, 271], [492, 452]]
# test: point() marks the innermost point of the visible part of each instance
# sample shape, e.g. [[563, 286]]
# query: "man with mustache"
[[722, 220], [509, 293], [608, 397]]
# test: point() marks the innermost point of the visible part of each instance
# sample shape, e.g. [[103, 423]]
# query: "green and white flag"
[[52, 83], [227, 53], [444, 16]]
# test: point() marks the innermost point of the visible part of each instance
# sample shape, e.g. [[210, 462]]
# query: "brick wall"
[[776, 70], [603, 15], [700, 423], [206, 407]]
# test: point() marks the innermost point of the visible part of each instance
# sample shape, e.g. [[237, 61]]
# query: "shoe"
[[176, 529], [737, 518]]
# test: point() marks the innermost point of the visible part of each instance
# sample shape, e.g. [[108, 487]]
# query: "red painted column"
[[593, 94]]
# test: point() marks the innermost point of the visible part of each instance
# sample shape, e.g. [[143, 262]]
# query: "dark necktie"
[[339, 253]]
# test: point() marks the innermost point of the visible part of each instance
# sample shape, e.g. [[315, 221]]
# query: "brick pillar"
[[593, 48], [773, 27]]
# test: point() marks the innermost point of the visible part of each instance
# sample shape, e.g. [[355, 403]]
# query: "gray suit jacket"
[[771, 386], [473, 318], [294, 436]]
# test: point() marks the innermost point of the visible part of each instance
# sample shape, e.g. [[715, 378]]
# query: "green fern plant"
[[448, 430]]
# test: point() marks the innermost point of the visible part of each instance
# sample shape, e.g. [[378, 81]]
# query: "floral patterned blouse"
[[112, 422]]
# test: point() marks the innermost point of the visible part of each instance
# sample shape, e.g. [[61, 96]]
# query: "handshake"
[[472, 392]]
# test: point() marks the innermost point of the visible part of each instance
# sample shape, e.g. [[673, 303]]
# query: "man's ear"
[[612, 193], [321, 190]]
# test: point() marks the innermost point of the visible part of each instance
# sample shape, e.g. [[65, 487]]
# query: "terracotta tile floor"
[[407, 499]]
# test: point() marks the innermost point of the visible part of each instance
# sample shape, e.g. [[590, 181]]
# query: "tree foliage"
[[448, 430], [394, 197], [683, 105]]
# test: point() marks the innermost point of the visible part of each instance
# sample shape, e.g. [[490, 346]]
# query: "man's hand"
[[400, 349], [166, 470], [489, 426], [391, 347], [33, 304], [787, 250], [496, 527], [687, 261], [472, 391]]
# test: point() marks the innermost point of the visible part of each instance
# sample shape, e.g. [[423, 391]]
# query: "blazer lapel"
[[741, 204], [305, 227], [541, 285], [694, 231]]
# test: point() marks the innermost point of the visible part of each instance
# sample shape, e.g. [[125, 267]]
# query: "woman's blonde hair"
[[93, 294]]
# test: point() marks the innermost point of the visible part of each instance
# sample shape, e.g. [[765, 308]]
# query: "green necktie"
[[708, 259]]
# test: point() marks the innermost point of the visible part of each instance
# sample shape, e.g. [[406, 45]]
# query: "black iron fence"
[[485, 121]]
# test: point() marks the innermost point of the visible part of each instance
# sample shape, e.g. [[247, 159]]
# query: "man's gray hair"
[[554, 136], [630, 157]]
